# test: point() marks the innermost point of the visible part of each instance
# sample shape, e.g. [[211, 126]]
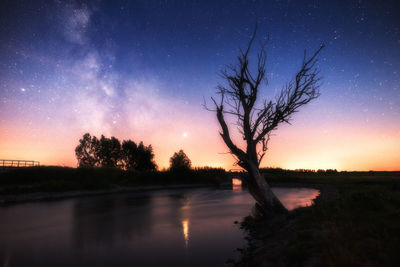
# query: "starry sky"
[[141, 69]]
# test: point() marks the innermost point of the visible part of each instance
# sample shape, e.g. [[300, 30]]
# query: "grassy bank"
[[360, 227], [62, 179]]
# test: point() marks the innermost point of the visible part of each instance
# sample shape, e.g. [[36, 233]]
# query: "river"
[[182, 227]]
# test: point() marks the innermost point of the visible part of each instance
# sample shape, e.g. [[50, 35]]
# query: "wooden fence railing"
[[15, 163]]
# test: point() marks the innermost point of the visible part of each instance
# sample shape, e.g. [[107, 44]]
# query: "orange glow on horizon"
[[293, 147]]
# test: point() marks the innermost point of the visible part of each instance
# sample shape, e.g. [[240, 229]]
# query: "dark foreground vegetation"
[[357, 226], [62, 179]]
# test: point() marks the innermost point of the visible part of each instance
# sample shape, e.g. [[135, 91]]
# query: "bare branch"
[[239, 95], [297, 93]]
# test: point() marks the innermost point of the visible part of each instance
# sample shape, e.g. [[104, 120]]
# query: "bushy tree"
[[145, 160], [129, 154], [180, 161], [87, 151], [138, 157], [109, 152]]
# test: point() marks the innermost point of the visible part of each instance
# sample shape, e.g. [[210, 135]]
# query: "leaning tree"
[[256, 120]]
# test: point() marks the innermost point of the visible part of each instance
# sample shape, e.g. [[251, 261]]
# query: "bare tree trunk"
[[255, 124], [267, 202]]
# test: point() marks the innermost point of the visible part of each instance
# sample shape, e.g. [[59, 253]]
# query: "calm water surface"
[[185, 227]]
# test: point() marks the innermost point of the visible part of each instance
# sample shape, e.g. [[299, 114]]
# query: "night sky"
[[141, 69]]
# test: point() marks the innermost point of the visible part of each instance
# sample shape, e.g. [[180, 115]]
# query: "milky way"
[[141, 69]]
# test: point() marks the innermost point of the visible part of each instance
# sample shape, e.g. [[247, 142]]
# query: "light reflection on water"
[[293, 198], [186, 227], [185, 230]]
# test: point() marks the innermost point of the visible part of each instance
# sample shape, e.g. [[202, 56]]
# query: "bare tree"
[[256, 122]]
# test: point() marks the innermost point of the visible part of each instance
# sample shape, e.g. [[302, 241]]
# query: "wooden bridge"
[[16, 163], [237, 173], [234, 174]]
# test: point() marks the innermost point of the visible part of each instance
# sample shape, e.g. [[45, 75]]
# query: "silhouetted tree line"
[[109, 152], [280, 170]]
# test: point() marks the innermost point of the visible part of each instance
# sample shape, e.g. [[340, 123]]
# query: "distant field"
[[331, 178]]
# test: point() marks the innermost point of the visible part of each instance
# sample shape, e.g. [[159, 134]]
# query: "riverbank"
[[359, 225]]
